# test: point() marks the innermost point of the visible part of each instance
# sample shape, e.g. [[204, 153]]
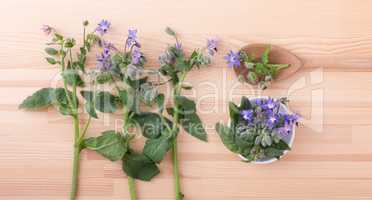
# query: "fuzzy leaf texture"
[[51, 51], [186, 105], [189, 120], [265, 55], [227, 137], [110, 144], [40, 99], [89, 105], [105, 102], [140, 167], [150, 123], [273, 153], [129, 100], [72, 77], [170, 32], [62, 102], [192, 124], [156, 149]]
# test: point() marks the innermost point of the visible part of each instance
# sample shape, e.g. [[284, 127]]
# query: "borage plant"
[[65, 99], [176, 65], [132, 92], [125, 71], [259, 70], [261, 130]]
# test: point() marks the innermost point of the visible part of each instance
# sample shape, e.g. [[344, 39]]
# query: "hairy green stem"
[[132, 188], [81, 137], [76, 160], [177, 186], [131, 181]]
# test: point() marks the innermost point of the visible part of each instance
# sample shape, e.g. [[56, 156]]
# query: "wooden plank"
[[331, 157]]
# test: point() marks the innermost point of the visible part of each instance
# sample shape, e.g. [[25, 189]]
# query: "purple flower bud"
[[136, 56], [270, 104], [212, 44], [103, 27], [104, 62], [107, 47], [233, 59], [178, 45], [46, 29], [285, 131], [132, 38]]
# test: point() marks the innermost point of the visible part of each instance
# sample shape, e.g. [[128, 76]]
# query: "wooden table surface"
[[332, 153]]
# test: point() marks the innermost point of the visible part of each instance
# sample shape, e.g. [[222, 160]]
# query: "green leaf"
[[265, 55], [185, 104], [150, 123], [275, 68], [50, 60], [89, 106], [193, 125], [234, 112], [88, 95], [104, 77], [261, 69], [156, 149], [170, 32], [129, 100], [281, 145], [168, 70], [273, 153], [252, 77], [58, 36], [227, 137], [105, 102], [40, 99], [266, 140], [140, 167], [72, 77], [181, 64], [51, 51], [160, 102], [110, 144], [69, 43], [245, 104], [135, 84], [134, 72], [245, 140], [61, 100], [249, 65], [148, 93]]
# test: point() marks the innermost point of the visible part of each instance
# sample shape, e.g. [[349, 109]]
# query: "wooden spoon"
[[277, 55]]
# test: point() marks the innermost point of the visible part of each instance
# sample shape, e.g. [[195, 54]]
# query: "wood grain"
[[332, 154]]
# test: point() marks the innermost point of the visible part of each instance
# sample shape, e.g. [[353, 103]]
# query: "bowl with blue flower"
[[261, 130], [261, 64]]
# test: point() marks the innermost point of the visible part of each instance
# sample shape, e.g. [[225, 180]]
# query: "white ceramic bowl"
[[288, 139]]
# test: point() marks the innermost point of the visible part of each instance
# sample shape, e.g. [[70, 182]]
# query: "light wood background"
[[332, 153]]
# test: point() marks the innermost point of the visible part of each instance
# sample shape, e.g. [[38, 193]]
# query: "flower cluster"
[[104, 59], [269, 115], [199, 57], [254, 70], [135, 93], [260, 129]]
